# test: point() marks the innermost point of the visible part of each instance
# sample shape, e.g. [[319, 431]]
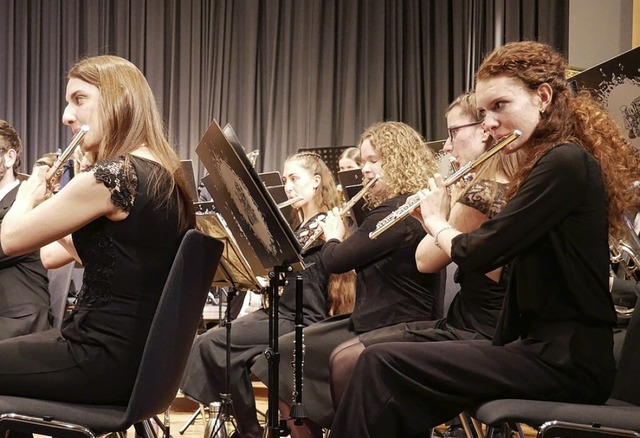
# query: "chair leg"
[[477, 427], [464, 421]]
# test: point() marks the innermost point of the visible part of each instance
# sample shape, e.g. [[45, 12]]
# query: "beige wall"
[[601, 29]]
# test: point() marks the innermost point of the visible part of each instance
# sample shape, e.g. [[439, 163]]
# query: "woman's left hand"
[[333, 226]]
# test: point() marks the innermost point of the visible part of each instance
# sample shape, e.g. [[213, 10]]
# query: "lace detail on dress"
[[121, 181], [304, 232], [120, 177], [481, 197], [96, 285]]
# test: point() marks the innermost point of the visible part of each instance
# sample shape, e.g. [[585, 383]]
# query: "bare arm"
[[430, 258], [82, 200], [59, 253]]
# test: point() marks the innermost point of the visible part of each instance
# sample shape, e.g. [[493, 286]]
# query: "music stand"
[[263, 235], [234, 273]]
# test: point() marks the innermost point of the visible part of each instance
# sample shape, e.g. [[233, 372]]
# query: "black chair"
[[59, 282], [620, 414], [167, 348]]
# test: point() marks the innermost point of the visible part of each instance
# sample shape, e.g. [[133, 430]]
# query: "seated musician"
[[389, 288], [24, 295], [474, 311], [305, 175], [128, 214], [554, 336], [350, 159]]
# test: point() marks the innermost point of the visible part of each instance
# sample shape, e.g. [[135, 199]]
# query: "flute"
[[54, 174], [404, 210], [291, 201], [345, 209]]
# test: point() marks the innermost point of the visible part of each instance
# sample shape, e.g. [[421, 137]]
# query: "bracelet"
[[448, 227]]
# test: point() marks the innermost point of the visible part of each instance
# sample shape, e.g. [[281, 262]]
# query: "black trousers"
[[402, 389], [204, 376]]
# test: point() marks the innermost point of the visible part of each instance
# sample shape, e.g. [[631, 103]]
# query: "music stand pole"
[[226, 414], [275, 427]]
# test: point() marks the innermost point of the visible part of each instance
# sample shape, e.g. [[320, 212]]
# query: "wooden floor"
[[183, 409]]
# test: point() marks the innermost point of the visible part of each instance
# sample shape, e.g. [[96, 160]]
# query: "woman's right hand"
[[34, 190]]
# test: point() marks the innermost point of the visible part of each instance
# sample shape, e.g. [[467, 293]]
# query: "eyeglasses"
[[454, 129]]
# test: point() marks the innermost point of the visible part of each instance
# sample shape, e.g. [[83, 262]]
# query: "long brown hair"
[[130, 118], [341, 290], [569, 117]]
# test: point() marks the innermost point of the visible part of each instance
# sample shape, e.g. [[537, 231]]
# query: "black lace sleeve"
[[119, 176], [485, 197]]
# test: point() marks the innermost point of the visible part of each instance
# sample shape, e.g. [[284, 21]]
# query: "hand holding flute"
[[404, 210]]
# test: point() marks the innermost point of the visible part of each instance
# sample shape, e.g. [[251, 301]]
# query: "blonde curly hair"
[[407, 161]]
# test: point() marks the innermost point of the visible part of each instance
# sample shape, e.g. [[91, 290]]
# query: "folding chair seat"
[[621, 412], [163, 361]]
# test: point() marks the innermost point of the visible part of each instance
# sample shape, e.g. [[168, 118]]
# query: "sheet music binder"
[[250, 213]]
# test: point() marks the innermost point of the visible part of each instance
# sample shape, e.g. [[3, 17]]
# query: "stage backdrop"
[[287, 74]]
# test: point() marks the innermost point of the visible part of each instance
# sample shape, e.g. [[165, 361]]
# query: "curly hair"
[[407, 161], [570, 117], [9, 139]]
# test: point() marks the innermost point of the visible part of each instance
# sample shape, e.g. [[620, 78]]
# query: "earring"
[[541, 110]]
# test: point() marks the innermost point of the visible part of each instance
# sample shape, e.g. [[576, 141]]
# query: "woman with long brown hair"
[[127, 214]]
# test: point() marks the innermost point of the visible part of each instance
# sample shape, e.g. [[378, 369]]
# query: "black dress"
[[94, 358], [389, 290], [473, 312], [204, 376], [554, 337], [24, 296]]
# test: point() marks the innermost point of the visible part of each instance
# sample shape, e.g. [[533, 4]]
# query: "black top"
[[126, 264], [24, 295], [477, 305], [389, 287], [314, 281], [554, 232]]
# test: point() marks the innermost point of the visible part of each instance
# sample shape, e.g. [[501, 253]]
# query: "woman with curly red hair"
[[554, 338]]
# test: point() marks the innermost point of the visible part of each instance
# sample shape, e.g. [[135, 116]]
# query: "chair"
[[621, 412], [59, 282], [167, 348]]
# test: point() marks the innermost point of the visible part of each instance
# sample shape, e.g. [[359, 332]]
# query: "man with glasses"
[[24, 295]]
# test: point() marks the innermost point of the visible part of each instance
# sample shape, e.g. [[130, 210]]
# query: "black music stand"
[[264, 237], [234, 273]]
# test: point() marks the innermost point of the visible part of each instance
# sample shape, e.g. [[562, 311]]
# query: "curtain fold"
[[287, 74]]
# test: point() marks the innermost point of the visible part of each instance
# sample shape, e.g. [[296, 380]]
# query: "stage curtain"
[[287, 74]]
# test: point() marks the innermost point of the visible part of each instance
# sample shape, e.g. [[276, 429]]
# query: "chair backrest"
[[174, 325], [627, 385], [59, 282]]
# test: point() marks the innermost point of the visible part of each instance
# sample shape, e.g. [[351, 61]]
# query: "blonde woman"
[[389, 288]]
